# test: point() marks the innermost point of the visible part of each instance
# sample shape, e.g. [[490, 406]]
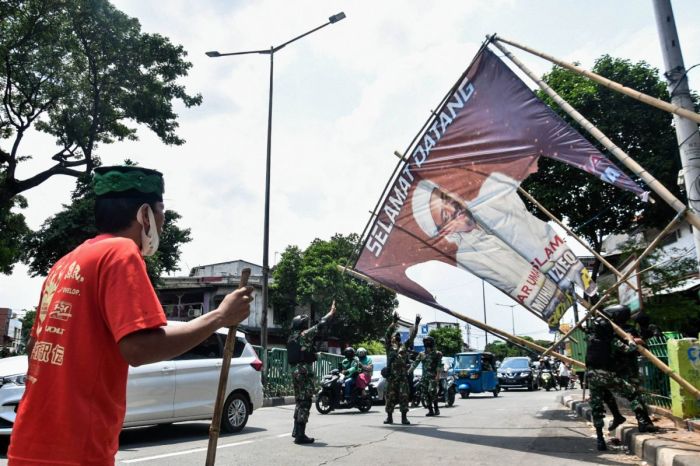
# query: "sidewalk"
[[670, 446], [278, 401]]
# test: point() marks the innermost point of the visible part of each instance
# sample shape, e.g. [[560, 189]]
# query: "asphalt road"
[[517, 428]]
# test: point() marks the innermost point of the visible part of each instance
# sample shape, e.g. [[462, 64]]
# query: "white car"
[[378, 382], [182, 389]]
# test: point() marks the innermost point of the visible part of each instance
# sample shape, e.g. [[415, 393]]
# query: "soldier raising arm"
[[398, 390], [301, 354]]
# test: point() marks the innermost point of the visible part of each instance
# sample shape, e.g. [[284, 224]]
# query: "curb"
[[655, 451], [278, 401]]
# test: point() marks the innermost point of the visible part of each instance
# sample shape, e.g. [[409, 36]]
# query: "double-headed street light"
[[266, 231], [512, 319]]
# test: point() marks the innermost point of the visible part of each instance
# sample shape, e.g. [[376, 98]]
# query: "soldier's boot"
[[294, 431], [618, 419], [600, 439], [435, 408], [430, 411], [301, 438], [389, 418], [404, 418], [644, 423]]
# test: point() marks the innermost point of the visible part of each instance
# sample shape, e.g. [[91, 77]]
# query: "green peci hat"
[[128, 181]]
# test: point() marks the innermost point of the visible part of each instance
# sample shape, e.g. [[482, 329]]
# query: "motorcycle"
[[416, 392], [547, 380], [331, 395]]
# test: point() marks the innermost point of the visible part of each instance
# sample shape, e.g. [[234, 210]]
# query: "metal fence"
[[656, 384], [278, 376]]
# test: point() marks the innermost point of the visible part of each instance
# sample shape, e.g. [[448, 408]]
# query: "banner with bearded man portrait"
[[454, 199]]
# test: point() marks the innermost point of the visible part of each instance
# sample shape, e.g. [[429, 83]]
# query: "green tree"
[[372, 346], [70, 227], [14, 229], [283, 290], [311, 279], [592, 208], [505, 349], [82, 72], [27, 324], [448, 340]]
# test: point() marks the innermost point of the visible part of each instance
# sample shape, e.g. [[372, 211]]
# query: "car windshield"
[[467, 361], [515, 364]]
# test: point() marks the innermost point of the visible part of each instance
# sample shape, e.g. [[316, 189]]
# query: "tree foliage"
[[592, 208], [311, 279], [504, 349], [13, 228], [70, 227], [448, 340], [27, 324], [372, 346], [82, 72]]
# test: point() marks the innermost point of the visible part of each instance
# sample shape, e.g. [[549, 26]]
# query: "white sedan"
[[182, 389]]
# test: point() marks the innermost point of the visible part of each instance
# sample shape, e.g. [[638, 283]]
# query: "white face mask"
[[150, 240]]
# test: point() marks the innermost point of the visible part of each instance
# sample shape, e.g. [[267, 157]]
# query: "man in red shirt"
[[99, 314]]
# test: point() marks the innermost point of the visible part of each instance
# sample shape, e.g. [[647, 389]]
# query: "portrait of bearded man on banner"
[[443, 217]]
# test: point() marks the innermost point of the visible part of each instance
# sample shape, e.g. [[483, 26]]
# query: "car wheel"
[[451, 393], [323, 403], [464, 394], [236, 412], [530, 387]]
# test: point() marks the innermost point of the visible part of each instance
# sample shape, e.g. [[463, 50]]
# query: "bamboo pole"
[[628, 161], [615, 86], [544, 210], [485, 327], [215, 427], [594, 308]]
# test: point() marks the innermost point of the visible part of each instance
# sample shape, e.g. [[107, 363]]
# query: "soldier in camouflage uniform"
[[600, 376], [397, 353], [302, 343], [431, 360]]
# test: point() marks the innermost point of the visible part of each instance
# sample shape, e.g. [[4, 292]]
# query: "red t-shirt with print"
[[75, 399]]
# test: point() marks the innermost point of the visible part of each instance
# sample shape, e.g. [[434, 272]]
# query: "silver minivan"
[[181, 389]]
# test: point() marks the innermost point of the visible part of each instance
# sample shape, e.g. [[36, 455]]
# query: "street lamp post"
[[266, 228], [512, 319]]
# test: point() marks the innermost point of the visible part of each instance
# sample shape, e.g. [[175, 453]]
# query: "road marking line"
[[283, 435], [184, 452]]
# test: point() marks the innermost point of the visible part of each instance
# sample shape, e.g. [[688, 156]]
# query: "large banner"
[[455, 199]]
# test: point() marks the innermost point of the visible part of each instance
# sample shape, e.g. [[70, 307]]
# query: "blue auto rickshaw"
[[475, 372]]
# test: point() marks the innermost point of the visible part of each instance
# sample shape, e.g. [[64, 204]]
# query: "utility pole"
[[686, 130]]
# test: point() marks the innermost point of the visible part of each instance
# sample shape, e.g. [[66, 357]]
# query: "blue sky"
[[346, 97]]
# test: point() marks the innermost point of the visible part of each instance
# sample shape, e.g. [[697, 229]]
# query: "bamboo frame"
[[485, 327], [215, 427], [615, 86], [572, 234], [621, 155]]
